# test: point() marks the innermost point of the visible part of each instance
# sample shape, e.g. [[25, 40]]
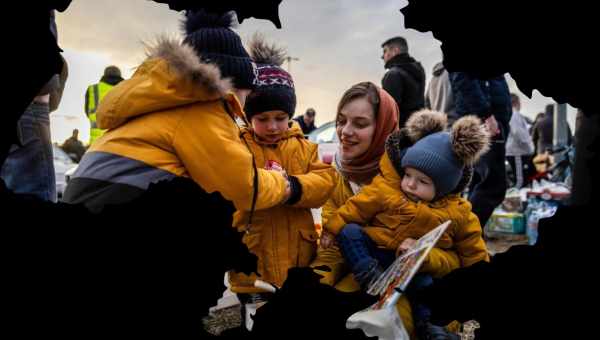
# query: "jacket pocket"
[[307, 247], [26, 130]]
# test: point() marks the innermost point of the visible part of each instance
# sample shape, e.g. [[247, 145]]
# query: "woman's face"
[[355, 128]]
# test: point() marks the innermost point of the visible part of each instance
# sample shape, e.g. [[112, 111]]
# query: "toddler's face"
[[417, 186], [270, 125]]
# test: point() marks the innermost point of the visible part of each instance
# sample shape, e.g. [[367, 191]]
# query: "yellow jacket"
[[392, 218], [171, 119], [284, 236]]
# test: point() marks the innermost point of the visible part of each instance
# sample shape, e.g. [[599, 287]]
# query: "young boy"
[[421, 176], [284, 236]]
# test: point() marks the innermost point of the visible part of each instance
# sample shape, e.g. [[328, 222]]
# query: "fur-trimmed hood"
[[171, 76]]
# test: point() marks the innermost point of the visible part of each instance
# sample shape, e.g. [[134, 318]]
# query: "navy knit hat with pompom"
[[440, 154]]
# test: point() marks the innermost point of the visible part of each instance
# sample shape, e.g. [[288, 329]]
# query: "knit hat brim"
[[264, 99], [445, 172]]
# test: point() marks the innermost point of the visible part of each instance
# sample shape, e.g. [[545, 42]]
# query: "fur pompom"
[[264, 53], [195, 20], [425, 122], [470, 139]]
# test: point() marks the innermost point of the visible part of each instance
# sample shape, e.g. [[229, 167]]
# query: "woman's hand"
[[405, 245], [327, 239]]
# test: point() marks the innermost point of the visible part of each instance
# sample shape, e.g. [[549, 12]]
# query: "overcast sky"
[[337, 42]]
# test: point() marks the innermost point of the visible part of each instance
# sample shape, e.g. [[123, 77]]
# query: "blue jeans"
[[362, 255], [29, 167]]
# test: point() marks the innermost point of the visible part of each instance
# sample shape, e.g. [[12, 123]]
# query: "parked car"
[[62, 164], [326, 137]]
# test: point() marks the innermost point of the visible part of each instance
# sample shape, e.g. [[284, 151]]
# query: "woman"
[[364, 114]]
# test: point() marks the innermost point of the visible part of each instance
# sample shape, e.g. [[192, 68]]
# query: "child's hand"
[[274, 166], [327, 239], [405, 245], [282, 172]]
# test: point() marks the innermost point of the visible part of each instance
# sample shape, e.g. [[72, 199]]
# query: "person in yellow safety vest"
[[95, 93]]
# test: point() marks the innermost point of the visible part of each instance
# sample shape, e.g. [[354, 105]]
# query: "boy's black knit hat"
[[214, 41]]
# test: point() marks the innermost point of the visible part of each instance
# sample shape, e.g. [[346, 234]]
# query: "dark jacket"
[[543, 133], [482, 98], [306, 129], [405, 81]]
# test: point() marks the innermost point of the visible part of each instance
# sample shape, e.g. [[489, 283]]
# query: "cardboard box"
[[506, 222]]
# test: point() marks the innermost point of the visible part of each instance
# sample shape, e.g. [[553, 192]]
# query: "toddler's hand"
[[405, 245]]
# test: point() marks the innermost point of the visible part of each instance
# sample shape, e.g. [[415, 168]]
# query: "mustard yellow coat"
[[284, 236], [390, 217], [171, 115]]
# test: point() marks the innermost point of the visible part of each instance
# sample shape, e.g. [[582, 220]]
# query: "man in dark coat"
[[405, 78], [307, 121]]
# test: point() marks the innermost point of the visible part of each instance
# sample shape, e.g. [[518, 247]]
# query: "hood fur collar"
[[186, 63]]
